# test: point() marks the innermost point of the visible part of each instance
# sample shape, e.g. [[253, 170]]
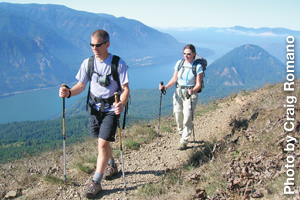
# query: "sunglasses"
[[187, 54], [97, 45]]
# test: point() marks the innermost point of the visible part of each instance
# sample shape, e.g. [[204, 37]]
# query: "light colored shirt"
[[103, 68], [185, 74]]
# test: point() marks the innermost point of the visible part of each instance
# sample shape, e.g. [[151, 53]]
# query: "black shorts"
[[103, 124]]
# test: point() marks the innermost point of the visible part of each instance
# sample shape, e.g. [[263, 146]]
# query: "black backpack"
[[114, 74], [198, 60]]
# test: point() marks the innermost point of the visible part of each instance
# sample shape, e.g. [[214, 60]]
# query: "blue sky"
[[193, 13]]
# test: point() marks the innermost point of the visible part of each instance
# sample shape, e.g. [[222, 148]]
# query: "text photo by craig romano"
[[289, 187]]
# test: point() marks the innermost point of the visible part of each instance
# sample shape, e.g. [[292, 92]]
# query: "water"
[[33, 105], [46, 104]]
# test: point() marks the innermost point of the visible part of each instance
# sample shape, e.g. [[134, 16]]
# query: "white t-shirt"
[[103, 68]]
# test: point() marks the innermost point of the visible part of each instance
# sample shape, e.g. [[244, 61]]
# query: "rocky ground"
[[153, 160]]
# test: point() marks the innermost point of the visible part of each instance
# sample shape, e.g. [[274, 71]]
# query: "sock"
[[98, 177], [111, 162]]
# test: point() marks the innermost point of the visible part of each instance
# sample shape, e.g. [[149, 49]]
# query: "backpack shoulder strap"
[[114, 70], [115, 75], [194, 69], [180, 64], [90, 70]]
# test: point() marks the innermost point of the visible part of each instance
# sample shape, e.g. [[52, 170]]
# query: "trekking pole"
[[120, 141], [191, 102], [162, 91], [64, 135], [193, 122]]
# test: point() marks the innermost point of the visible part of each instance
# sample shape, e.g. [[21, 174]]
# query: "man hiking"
[[103, 111]]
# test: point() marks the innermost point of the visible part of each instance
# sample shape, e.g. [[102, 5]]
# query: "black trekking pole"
[[64, 136], [120, 141], [162, 91]]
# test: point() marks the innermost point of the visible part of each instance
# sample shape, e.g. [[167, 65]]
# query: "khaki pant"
[[183, 113]]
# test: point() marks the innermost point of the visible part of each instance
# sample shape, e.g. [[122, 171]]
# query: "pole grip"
[[162, 83], [162, 91], [116, 97]]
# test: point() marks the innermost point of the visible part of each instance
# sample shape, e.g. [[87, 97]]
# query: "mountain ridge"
[[60, 33], [246, 65]]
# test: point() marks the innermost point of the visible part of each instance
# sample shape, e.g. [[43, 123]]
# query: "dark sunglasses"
[[97, 45], [188, 54]]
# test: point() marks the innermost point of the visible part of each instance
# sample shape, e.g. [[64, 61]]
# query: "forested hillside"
[[21, 139]]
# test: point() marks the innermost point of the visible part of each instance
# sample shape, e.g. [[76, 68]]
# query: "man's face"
[[99, 48]]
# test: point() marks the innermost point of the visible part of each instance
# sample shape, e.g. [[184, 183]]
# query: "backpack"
[[114, 74], [198, 60]]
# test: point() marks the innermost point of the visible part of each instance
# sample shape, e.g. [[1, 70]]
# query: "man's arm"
[[75, 90]]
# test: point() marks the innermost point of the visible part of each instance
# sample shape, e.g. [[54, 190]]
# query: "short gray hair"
[[101, 34]]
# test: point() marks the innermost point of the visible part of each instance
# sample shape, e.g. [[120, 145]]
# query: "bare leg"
[[104, 154]]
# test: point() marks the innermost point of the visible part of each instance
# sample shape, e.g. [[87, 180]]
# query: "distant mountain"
[[263, 30], [235, 34], [44, 45], [27, 64], [247, 65], [273, 40]]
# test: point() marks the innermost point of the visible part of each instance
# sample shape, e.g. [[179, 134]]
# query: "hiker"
[[185, 97], [103, 112]]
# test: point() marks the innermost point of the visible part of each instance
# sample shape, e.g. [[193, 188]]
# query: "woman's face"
[[188, 55]]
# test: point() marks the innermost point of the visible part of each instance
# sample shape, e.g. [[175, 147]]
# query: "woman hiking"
[[186, 94]]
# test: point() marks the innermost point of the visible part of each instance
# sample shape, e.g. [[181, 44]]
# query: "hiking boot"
[[110, 171], [182, 146], [92, 189]]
